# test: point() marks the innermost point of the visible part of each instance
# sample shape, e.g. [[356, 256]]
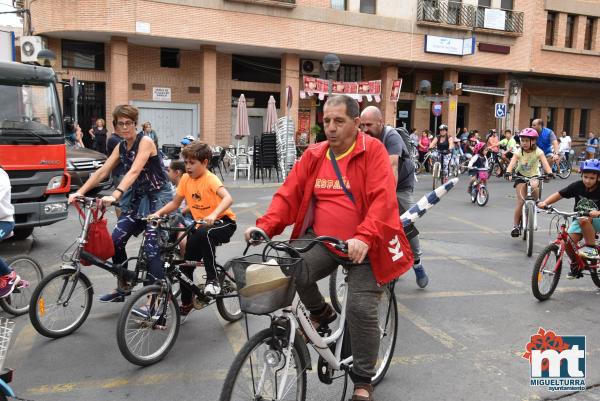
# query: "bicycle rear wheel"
[[529, 211], [148, 326], [337, 289], [546, 272], [388, 330], [17, 303], [229, 308], [257, 370], [61, 303]]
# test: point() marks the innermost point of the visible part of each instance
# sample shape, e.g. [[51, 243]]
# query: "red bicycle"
[[548, 266]]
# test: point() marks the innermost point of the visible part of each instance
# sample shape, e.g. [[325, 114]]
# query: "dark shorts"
[[519, 181]]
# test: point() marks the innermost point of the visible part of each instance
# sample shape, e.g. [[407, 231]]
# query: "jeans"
[[6, 228], [405, 202], [364, 296], [125, 228]]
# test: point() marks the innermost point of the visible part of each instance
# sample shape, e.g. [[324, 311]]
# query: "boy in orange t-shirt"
[[207, 200]]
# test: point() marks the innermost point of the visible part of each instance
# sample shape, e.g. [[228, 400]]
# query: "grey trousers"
[[405, 201], [363, 295]]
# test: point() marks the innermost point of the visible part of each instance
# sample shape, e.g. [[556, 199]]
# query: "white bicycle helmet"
[[187, 140]]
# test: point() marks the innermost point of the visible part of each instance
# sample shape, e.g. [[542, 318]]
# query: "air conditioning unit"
[[30, 47], [310, 67]]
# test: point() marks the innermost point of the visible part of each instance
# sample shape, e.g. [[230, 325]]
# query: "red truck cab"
[[32, 146]]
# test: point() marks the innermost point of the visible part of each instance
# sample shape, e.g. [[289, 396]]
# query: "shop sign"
[[452, 46], [161, 94]]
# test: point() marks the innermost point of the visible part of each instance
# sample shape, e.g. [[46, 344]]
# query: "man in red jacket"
[[364, 214]]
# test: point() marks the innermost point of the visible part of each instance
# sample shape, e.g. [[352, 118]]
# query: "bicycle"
[[281, 350], [62, 301], [528, 211], [6, 375], [29, 269], [148, 324], [548, 266], [479, 191], [439, 175], [564, 168]]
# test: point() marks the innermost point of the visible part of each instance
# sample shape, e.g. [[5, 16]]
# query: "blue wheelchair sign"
[[500, 110]]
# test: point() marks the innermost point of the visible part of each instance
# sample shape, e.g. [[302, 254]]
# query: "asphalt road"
[[461, 338]]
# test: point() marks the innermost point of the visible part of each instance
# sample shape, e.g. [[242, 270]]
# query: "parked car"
[[81, 164]]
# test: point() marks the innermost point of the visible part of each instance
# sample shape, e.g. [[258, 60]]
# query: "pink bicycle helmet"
[[478, 147], [529, 133]]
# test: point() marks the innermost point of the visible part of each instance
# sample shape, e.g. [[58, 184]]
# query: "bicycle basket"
[[266, 286], [6, 330]]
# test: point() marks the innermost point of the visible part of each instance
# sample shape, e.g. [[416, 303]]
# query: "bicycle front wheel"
[[61, 303], [482, 196], [17, 303], [388, 330], [148, 326], [546, 272], [437, 175], [229, 308], [564, 169], [258, 370], [530, 218]]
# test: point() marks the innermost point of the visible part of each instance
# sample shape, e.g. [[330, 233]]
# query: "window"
[[367, 6], [550, 22], [535, 113], [169, 58], [567, 121], [589, 31], [506, 4], [349, 73], [550, 117], [256, 69], [570, 30], [338, 4], [584, 123], [86, 55], [485, 3]]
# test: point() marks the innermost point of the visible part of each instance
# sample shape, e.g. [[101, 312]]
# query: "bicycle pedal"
[[199, 303]]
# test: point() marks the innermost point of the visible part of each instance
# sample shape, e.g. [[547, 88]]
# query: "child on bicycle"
[[526, 163], [208, 200], [9, 279], [477, 164], [587, 198], [183, 217]]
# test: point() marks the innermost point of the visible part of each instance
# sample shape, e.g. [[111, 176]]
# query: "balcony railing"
[[275, 3], [513, 20], [446, 12], [469, 16]]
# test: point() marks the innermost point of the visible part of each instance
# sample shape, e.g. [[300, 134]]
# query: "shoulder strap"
[[339, 176]]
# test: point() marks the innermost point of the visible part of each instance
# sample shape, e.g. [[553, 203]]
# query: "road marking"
[[485, 229], [478, 293], [490, 272], [428, 328]]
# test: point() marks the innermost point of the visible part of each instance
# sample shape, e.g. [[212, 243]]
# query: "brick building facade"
[[541, 55]]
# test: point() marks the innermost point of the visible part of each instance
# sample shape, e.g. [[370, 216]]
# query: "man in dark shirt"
[[404, 169], [587, 199]]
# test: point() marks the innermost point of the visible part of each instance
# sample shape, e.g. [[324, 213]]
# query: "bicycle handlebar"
[[155, 222], [258, 235], [552, 209]]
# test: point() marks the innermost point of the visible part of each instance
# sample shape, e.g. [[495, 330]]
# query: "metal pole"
[[329, 86], [435, 127]]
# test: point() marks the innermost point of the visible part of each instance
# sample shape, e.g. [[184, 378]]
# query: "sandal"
[[363, 386]]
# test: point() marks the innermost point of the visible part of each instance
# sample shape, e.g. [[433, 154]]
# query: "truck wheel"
[[22, 233]]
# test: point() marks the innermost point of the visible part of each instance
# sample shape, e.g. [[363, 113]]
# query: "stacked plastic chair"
[[286, 144]]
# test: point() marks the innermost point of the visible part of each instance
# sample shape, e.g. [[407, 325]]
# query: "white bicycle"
[[272, 365]]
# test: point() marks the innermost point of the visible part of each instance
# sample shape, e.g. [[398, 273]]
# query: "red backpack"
[[99, 241]]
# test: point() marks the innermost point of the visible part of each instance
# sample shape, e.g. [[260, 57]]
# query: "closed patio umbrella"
[[271, 119], [242, 127]]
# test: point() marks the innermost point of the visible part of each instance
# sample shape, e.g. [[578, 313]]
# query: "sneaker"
[[422, 279], [185, 309], [8, 283], [588, 252], [516, 231], [117, 295], [328, 315], [212, 287]]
